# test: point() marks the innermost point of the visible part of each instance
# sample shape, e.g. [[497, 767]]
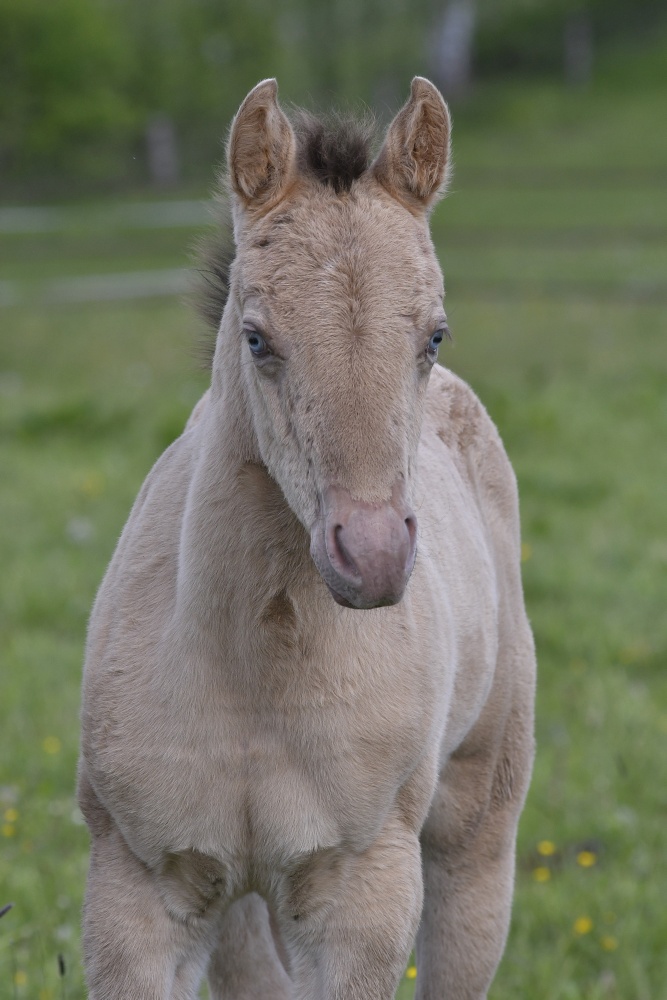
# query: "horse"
[[307, 722]]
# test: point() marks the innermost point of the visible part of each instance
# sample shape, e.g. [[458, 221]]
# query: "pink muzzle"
[[364, 552]]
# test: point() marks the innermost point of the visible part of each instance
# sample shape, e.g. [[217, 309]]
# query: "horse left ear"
[[413, 162], [261, 148]]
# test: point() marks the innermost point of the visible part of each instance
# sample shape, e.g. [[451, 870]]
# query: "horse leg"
[[350, 919], [133, 946], [246, 963], [468, 846]]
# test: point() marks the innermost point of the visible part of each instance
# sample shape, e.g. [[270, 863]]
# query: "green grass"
[[556, 277]]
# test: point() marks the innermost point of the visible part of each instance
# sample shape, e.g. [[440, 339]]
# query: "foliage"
[[525, 37], [80, 80], [61, 73]]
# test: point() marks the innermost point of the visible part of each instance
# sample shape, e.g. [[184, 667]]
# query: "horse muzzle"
[[364, 552]]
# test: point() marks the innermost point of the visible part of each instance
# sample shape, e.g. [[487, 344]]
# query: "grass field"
[[554, 245]]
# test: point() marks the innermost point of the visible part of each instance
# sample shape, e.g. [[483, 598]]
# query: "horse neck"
[[241, 544]]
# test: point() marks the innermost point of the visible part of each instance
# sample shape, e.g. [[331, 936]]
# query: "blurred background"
[[110, 95], [553, 240]]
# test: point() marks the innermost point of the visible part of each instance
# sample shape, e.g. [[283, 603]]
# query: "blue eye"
[[257, 344], [435, 341]]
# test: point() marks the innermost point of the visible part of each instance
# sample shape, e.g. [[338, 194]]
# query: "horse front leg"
[[349, 920], [133, 946], [468, 848]]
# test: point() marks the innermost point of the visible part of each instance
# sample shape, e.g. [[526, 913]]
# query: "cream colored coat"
[[283, 791]]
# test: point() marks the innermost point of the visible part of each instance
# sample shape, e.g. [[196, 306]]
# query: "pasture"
[[554, 247]]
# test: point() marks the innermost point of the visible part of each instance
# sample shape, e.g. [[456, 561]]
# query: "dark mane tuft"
[[335, 149]]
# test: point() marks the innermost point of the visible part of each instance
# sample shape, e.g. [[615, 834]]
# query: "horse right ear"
[[414, 160], [261, 148]]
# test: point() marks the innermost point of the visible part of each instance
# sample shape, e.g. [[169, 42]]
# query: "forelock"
[[335, 149]]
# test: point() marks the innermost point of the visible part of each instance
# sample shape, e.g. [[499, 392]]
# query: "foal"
[[307, 717]]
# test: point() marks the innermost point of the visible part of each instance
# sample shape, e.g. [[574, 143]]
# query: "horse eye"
[[435, 341], [257, 344]]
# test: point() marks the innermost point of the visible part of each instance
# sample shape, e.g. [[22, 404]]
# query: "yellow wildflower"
[[541, 874], [51, 745], [7, 830], [583, 925], [586, 859], [609, 943], [546, 848], [411, 972], [11, 815], [20, 978]]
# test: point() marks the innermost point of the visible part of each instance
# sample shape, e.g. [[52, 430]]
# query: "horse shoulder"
[[465, 428], [502, 737]]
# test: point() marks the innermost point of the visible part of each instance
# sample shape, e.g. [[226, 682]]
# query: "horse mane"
[[211, 261], [334, 149]]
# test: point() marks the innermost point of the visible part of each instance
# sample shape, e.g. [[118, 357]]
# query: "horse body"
[[260, 758]]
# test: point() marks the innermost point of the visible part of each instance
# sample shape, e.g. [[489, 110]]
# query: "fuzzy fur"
[[281, 792]]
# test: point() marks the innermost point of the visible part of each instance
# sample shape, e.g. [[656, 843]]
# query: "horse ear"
[[261, 147], [413, 162]]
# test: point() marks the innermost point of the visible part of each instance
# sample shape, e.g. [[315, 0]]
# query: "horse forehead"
[[355, 249]]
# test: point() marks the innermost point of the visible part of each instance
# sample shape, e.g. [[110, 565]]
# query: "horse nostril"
[[343, 557]]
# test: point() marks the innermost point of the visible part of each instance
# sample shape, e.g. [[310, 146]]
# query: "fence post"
[[161, 147]]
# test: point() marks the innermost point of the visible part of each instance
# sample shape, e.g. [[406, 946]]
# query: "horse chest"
[[259, 780]]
